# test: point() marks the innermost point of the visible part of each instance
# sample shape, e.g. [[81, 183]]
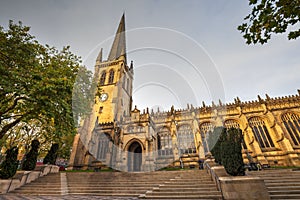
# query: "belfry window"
[[292, 124], [230, 123], [185, 137], [261, 132], [205, 128], [164, 143], [111, 76], [103, 146], [102, 78]]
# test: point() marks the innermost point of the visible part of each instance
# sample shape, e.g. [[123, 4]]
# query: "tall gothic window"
[[185, 137], [103, 146], [292, 124], [111, 76], [261, 132], [164, 143], [205, 128], [230, 123], [102, 78]]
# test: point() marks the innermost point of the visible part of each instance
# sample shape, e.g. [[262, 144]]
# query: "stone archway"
[[134, 157]]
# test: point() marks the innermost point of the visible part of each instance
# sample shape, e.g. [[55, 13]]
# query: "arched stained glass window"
[[185, 137], [102, 78], [261, 132], [164, 143], [231, 123], [205, 128], [103, 146], [111, 76], [292, 124]]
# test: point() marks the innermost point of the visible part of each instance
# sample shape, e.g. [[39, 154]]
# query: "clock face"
[[103, 97]]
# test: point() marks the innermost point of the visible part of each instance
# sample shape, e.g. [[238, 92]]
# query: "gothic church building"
[[124, 138]]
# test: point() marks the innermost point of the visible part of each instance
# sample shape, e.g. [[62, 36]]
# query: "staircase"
[[191, 184], [281, 184], [183, 184]]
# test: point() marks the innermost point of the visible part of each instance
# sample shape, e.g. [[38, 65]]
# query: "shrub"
[[232, 152], [9, 166], [227, 151], [51, 155], [31, 156]]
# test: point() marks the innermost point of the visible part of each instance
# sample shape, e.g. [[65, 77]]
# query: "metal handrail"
[[214, 176]]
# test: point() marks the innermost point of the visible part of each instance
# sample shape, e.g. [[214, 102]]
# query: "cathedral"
[[122, 137]]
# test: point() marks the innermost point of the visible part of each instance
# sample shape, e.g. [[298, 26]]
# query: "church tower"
[[115, 80]]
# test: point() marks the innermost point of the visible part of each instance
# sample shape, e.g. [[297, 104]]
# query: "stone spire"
[[99, 57], [118, 48]]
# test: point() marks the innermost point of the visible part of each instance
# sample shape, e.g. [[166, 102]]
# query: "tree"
[[51, 155], [271, 17], [36, 81], [232, 152], [31, 156], [36, 87], [9, 166], [227, 151]]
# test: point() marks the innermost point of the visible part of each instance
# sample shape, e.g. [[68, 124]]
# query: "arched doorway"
[[134, 157]]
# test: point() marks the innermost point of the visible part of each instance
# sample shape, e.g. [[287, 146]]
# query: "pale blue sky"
[[184, 51]]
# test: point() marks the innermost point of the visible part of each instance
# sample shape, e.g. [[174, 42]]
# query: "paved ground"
[[59, 197]]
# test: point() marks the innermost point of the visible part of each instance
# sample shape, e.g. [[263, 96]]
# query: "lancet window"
[[205, 128], [164, 143], [185, 137], [291, 122], [102, 78], [261, 132], [111, 76]]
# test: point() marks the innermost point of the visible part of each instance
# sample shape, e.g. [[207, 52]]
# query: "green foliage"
[[36, 88], [227, 151], [271, 16], [83, 94], [51, 155], [9, 166], [31, 156], [232, 152]]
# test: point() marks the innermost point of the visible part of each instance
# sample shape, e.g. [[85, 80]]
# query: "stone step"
[[273, 192], [30, 192], [110, 189], [285, 196], [279, 180], [184, 183], [182, 193], [108, 192], [289, 187], [215, 197], [115, 183], [172, 189], [211, 185]]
